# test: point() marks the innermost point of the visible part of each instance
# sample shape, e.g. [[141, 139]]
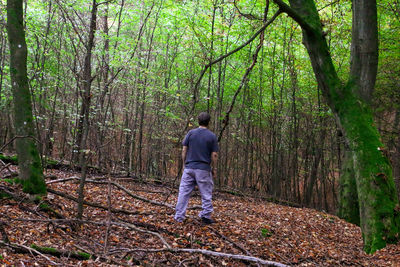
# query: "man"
[[199, 153]]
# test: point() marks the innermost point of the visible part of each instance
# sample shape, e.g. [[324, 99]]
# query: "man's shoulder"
[[210, 133]]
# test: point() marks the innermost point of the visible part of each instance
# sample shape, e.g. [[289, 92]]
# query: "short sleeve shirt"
[[201, 142]]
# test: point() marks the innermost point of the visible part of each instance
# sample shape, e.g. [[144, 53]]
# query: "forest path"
[[245, 226]]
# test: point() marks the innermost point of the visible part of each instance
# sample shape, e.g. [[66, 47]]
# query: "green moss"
[[50, 162], [58, 253], [84, 255], [45, 206], [46, 250], [348, 197], [10, 181], [9, 159], [35, 184], [4, 195]]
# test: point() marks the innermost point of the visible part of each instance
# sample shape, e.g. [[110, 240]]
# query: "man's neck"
[[203, 127]]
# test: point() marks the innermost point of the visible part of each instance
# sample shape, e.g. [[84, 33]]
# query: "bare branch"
[[248, 15], [238, 48], [91, 204]]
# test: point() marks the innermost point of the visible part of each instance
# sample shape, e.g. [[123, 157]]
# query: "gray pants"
[[204, 181]]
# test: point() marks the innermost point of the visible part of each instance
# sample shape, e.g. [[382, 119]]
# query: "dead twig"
[[62, 180]]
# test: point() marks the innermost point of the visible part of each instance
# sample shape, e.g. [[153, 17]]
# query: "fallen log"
[[62, 253]]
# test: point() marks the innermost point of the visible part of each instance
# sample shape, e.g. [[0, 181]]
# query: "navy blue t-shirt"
[[201, 142]]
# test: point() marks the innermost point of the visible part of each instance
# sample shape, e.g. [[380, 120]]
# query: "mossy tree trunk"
[[377, 197], [30, 167], [363, 69]]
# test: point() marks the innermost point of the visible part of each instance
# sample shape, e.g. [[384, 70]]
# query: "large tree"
[[376, 192], [30, 168]]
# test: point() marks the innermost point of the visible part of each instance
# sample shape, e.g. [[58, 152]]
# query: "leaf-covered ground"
[[245, 226]]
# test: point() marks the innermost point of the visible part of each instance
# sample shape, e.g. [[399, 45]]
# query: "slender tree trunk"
[[30, 167], [85, 109]]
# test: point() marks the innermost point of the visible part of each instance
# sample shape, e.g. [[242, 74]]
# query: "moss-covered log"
[[29, 161], [62, 253]]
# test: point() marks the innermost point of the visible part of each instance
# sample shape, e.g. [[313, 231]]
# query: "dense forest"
[[115, 86]]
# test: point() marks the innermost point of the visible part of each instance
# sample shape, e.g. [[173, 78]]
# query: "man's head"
[[204, 119]]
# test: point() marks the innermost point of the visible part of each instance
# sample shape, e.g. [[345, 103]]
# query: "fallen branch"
[[149, 226], [133, 195], [62, 180], [141, 198], [127, 191], [9, 192], [24, 249], [134, 227], [60, 253], [230, 241], [5, 166], [167, 247], [204, 252], [91, 204]]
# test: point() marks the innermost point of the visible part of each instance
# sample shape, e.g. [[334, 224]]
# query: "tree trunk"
[[84, 117], [364, 65], [379, 216], [31, 172]]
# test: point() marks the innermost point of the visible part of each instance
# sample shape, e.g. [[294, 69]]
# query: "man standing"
[[199, 153]]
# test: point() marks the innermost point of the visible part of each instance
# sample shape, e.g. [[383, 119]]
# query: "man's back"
[[201, 142]]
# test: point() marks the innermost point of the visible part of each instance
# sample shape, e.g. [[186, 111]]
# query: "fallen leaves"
[[294, 236]]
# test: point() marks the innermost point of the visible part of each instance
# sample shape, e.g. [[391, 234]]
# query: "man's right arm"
[[214, 159], [184, 153]]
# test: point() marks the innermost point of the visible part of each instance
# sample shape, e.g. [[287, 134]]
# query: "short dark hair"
[[204, 118]]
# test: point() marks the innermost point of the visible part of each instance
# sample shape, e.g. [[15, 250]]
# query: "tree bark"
[[31, 172], [348, 199], [83, 129], [363, 70]]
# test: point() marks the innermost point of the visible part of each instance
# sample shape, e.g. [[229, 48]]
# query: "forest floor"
[[244, 226]]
